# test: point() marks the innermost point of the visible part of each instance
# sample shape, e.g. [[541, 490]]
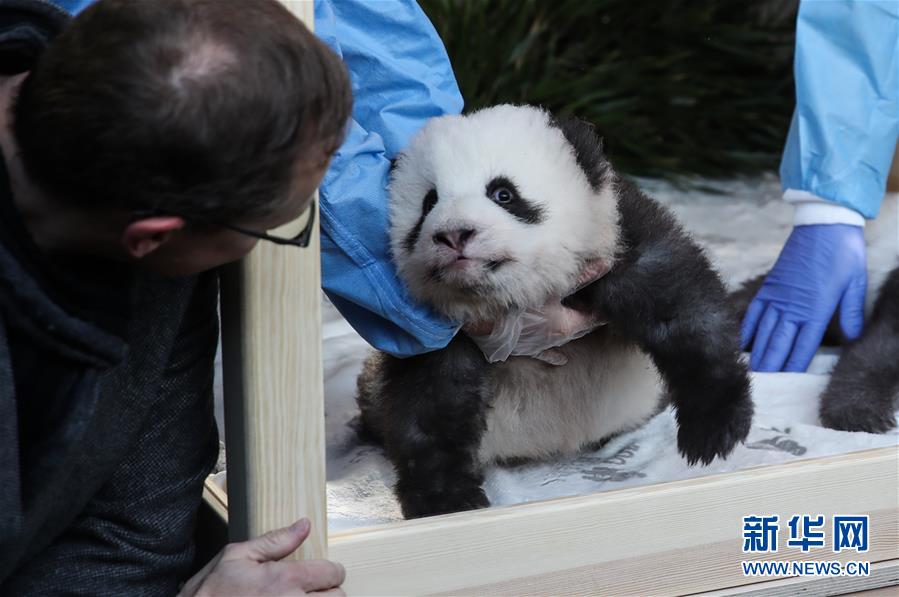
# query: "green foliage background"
[[677, 88]]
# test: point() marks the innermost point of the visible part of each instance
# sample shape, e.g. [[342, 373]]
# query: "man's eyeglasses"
[[300, 240]]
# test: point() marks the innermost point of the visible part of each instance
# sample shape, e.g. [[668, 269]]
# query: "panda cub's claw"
[[858, 415], [703, 436], [417, 504]]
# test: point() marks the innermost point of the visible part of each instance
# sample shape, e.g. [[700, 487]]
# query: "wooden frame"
[[680, 537], [675, 538], [272, 374]]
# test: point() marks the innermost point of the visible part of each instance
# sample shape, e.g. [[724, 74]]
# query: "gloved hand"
[[537, 331], [533, 333], [821, 267]]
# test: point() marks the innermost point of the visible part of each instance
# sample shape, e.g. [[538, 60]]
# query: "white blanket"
[[785, 427], [743, 231]]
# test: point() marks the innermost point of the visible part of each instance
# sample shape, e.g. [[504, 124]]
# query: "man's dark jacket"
[[106, 425]]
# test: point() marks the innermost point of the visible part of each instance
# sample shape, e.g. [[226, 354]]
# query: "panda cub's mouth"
[[466, 271], [467, 263]]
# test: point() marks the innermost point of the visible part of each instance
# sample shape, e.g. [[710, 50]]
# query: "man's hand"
[[253, 568], [820, 267]]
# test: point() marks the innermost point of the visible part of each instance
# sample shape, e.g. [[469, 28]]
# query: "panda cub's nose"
[[454, 239]]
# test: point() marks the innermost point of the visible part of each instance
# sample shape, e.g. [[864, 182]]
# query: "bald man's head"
[[195, 106]]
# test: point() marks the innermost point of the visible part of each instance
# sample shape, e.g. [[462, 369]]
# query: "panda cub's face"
[[491, 211]]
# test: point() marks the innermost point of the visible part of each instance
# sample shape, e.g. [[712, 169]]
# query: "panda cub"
[[500, 210]]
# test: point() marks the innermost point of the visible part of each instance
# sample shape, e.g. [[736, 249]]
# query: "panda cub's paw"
[[701, 436], [416, 503], [855, 414]]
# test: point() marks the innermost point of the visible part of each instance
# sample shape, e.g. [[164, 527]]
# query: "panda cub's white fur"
[[459, 156], [536, 410]]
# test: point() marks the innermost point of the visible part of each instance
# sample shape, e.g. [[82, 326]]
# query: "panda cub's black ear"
[[587, 146]]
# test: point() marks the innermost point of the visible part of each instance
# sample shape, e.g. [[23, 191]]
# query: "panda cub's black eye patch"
[[427, 204], [504, 193]]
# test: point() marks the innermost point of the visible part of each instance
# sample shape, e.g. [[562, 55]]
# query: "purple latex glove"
[[820, 267]]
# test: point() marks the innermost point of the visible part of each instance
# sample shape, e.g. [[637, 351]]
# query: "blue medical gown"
[[846, 121], [401, 76], [72, 6]]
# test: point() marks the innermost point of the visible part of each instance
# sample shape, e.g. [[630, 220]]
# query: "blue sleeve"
[[846, 122], [72, 7], [401, 77]]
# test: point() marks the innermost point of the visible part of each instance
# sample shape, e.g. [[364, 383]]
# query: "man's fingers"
[[750, 322], [762, 335], [779, 346], [319, 575], [273, 545], [852, 308], [807, 343]]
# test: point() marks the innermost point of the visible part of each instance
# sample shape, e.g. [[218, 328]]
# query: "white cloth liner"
[[743, 230]]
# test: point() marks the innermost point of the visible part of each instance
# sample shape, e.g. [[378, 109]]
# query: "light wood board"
[[274, 399], [882, 582], [671, 538]]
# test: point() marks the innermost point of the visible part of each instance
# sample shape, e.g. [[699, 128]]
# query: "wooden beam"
[[274, 399], [881, 582], [217, 499], [671, 538], [677, 538]]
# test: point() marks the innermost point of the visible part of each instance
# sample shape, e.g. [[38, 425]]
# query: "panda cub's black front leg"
[[664, 295], [863, 391], [437, 413]]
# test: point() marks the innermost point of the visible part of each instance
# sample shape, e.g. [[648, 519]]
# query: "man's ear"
[[144, 236]]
